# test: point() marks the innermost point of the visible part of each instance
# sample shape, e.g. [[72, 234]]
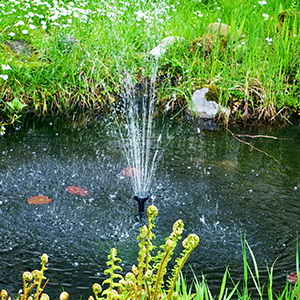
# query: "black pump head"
[[141, 199]]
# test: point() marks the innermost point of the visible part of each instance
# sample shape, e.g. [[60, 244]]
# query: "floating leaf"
[[129, 172], [292, 277], [40, 199], [77, 190]]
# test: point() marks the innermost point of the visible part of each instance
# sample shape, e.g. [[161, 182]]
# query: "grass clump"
[[66, 56]]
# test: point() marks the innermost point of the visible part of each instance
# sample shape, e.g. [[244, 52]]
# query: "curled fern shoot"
[[142, 254], [189, 244], [151, 213]]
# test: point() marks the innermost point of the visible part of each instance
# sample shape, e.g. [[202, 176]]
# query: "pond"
[[214, 183]]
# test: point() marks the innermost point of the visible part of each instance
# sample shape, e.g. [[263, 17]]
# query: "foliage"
[[146, 281], [32, 280], [74, 52]]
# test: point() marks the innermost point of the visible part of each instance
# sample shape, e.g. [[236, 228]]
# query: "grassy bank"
[[70, 55]]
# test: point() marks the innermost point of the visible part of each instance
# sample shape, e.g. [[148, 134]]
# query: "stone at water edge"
[[161, 48], [40, 199], [129, 172], [77, 190], [204, 109]]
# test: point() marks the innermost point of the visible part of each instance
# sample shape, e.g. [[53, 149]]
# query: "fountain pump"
[[141, 199]]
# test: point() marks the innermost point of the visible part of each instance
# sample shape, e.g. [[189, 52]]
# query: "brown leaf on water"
[[292, 277], [129, 172], [77, 190], [40, 199]]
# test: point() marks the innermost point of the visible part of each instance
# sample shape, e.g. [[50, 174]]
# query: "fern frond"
[[189, 244]]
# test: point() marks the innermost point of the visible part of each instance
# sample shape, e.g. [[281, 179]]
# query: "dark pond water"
[[215, 184]]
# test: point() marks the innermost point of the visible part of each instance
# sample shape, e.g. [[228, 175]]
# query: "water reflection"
[[217, 186]]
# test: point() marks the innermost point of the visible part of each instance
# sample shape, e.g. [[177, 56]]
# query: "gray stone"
[[202, 108], [20, 48], [161, 48]]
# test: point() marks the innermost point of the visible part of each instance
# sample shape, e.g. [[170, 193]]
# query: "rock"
[[213, 29], [19, 48], [201, 107], [161, 48], [204, 109]]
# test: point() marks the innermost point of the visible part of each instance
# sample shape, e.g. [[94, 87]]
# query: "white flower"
[[31, 14], [31, 26], [6, 67], [243, 43], [262, 3], [2, 130], [4, 77], [20, 23], [265, 16], [25, 31], [11, 34], [269, 40], [219, 20], [218, 7]]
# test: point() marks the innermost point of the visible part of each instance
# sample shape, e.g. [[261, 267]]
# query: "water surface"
[[214, 183]]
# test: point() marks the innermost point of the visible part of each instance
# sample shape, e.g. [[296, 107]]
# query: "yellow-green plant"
[[146, 281], [31, 280]]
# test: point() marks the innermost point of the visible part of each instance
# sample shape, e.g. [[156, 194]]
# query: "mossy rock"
[[18, 48]]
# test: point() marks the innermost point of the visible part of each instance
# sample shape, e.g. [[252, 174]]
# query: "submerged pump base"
[[141, 199]]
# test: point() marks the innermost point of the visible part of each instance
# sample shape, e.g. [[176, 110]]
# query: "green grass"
[[255, 74]]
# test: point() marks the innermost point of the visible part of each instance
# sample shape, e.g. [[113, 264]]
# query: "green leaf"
[[16, 105]]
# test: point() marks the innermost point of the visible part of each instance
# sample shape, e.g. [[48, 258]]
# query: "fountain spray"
[[137, 141]]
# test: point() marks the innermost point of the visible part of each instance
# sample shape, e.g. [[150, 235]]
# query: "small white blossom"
[[4, 77], [25, 31], [20, 23], [262, 3], [265, 16], [31, 26], [219, 20], [2, 130], [269, 40], [6, 67], [11, 34]]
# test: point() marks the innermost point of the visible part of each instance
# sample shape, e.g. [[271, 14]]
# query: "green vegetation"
[[147, 279], [69, 56]]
